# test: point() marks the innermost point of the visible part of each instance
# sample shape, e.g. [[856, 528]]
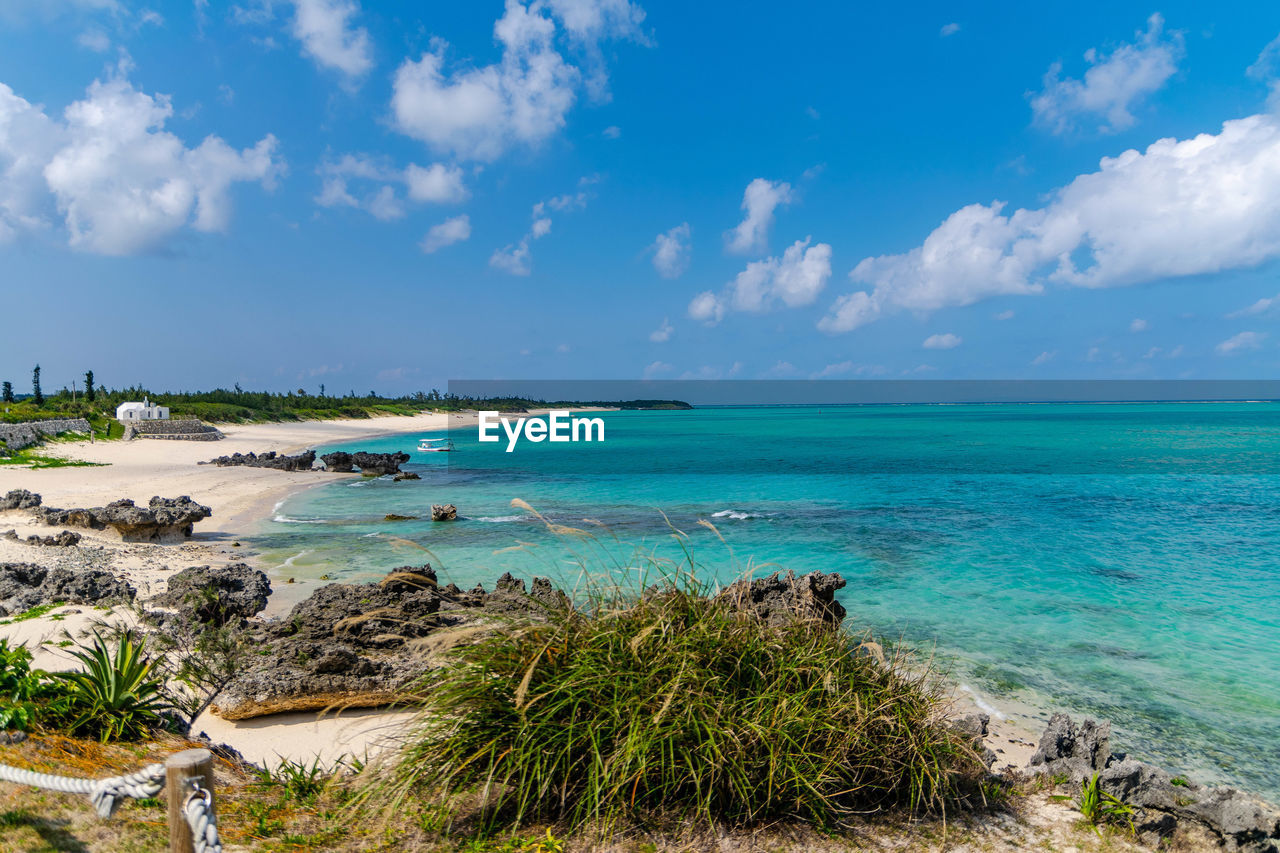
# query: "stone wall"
[[190, 430], [18, 436]]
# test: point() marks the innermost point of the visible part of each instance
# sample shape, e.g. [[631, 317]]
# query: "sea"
[[1120, 561]]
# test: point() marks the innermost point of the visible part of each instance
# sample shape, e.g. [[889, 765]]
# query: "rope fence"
[[187, 775]]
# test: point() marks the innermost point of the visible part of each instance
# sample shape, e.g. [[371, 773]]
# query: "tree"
[[6, 391], [89, 393], [321, 389], [36, 394]]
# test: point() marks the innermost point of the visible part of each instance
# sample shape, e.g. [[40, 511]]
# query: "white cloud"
[[513, 258], [1138, 325], [436, 183], [1181, 208], [845, 368], [327, 36], [516, 258], [121, 183], [759, 201], [671, 251], [663, 333], [1241, 342], [95, 40], [949, 29], [447, 233], [706, 307], [1005, 315], [793, 280], [944, 341], [1043, 358], [656, 368], [1266, 67], [478, 113], [612, 132], [1262, 306], [1114, 84]]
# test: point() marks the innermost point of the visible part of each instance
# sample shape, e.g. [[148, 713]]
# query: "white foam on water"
[[739, 515], [983, 704], [499, 519]]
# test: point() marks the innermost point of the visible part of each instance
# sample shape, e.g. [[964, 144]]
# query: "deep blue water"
[[1116, 560]]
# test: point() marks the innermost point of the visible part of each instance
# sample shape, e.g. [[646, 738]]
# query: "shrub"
[[22, 689], [117, 695], [677, 702]]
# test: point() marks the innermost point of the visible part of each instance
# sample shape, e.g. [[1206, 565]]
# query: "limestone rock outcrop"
[[162, 520], [24, 585], [781, 598]]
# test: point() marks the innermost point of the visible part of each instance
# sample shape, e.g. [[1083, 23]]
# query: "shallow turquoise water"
[[1117, 560]]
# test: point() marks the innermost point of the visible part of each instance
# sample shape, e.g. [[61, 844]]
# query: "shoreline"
[[243, 498]]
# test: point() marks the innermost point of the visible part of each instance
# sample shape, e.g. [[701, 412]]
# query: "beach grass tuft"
[[667, 702]]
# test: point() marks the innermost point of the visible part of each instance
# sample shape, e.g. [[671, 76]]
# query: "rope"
[[198, 811], [105, 794]]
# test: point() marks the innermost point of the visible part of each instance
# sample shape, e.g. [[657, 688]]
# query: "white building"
[[144, 411]]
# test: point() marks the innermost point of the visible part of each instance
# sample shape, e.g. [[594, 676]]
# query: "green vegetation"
[[677, 703], [22, 689], [29, 457], [1100, 808], [117, 695], [220, 405], [34, 613]]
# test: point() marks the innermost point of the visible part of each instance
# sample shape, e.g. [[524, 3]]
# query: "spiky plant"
[[116, 695]]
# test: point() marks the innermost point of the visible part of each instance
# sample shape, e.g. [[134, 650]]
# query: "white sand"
[[239, 497]]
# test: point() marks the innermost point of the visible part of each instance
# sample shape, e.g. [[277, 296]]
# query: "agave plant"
[[117, 694]]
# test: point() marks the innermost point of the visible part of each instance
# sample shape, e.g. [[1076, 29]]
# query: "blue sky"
[[387, 195]]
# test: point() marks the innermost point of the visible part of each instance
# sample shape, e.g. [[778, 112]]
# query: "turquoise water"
[[1116, 560]]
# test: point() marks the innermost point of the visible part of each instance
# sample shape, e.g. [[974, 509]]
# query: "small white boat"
[[435, 445]]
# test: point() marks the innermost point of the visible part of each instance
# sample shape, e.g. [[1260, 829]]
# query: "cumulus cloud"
[[1241, 342], [943, 341], [793, 280], [478, 113], [447, 233], [1190, 207], [1114, 84], [663, 333], [324, 28], [759, 201], [671, 251], [1138, 325], [706, 307], [949, 29], [119, 181], [1005, 315], [612, 132], [437, 183]]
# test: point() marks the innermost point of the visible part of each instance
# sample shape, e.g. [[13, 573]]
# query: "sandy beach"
[[240, 497]]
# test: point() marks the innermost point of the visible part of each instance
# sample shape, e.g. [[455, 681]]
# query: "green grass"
[[677, 704], [29, 457], [34, 613]]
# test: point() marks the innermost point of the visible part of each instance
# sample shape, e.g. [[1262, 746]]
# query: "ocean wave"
[[289, 562], [740, 515], [284, 519], [983, 704], [499, 519]]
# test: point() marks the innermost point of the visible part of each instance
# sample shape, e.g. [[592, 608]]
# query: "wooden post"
[[180, 768]]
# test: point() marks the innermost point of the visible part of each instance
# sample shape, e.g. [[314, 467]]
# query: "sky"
[[386, 196]]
